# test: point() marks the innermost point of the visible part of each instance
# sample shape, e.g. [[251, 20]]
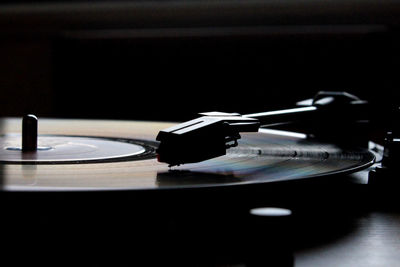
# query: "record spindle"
[[29, 133]]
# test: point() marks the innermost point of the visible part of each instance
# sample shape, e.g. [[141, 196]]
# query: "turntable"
[[135, 177], [98, 192], [98, 155]]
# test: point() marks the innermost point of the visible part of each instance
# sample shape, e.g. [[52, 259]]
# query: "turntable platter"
[[266, 156]]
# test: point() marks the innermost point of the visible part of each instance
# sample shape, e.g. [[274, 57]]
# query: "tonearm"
[[211, 134]]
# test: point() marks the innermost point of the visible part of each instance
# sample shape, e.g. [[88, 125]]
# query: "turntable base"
[[123, 211], [374, 241]]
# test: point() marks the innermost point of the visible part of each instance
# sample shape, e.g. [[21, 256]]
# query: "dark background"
[[174, 78], [77, 65]]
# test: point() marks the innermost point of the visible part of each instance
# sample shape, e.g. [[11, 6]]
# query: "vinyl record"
[[120, 155]]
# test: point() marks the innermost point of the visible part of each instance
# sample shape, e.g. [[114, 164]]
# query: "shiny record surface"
[[262, 157]]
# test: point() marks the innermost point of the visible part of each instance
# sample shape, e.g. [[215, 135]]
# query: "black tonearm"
[[211, 134]]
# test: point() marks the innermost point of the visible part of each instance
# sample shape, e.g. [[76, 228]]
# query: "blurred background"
[[168, 60]]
